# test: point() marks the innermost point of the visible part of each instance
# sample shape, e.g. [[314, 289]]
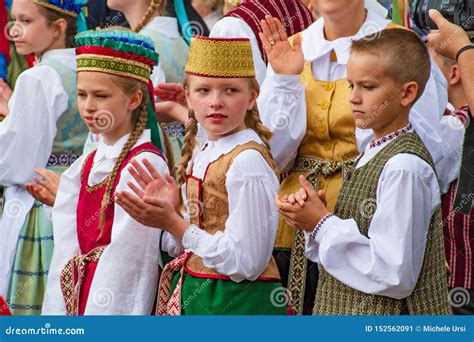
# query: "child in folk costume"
[[43, 129], [381, 252], [230, 184], [104, 261], [148, 17], [304, 103]]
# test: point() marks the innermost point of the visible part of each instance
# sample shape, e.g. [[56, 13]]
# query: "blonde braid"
[[153, 10], [188, 147], [133, 138], [252, 120]]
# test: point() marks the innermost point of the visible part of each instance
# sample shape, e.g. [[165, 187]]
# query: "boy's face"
[[375, 98]]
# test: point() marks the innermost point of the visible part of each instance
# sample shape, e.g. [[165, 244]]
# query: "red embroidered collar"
[[391, 136]]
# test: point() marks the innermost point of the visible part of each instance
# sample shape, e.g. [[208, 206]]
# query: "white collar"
[[64, 56], [228, 143], [113, 151], [316, 46], [164, 25]]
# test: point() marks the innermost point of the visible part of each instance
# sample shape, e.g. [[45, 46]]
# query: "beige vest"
[[209, 207]]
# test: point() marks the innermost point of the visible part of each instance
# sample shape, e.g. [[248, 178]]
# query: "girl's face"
[[220, 104], [30, 31], [104, 107]]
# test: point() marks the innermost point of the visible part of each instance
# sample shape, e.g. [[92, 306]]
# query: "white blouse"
[[282, 102], [244, 249], [388, 261], [126, 276], [26, 140]]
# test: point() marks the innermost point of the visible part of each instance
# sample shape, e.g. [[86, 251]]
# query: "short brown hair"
[[71, 28], [405, 56]]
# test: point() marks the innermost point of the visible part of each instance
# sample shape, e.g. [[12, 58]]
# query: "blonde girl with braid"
[[148, 17], [101, 251], [224, 246]]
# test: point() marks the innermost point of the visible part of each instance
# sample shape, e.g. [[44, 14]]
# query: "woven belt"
[[62, 159], [70, 285], [325, 168]]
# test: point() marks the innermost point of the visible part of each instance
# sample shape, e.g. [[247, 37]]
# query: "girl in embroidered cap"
[[43, 129], [97, 267], [230, 183]]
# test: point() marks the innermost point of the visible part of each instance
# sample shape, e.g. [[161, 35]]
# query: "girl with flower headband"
[[105, 262], [148, 17], [230, 183], [43, 129]]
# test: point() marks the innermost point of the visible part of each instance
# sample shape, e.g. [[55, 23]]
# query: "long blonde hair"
[[157, 7], [139, 118], [252, 120]]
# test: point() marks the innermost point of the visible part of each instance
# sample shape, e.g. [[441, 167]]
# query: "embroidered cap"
[[123, 53], [218, 57], [116, 52], [69, 7]]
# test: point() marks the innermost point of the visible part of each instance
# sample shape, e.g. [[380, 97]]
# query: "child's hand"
[[153, 212], [46, 189], [171, 92], [284, 58], [152, 184], [304, 217], [298, 197]]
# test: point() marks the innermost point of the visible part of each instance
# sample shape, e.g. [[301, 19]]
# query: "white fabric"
[[231, 27], [127, 273], [26, 137], [244, 249], [452, 132], [388, 261], [169, 27], [282, 101]]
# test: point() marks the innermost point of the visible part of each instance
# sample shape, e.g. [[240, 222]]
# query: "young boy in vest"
[[381, 251]]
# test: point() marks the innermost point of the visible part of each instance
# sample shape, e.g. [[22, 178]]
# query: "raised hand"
[[45, 190], [152, 184], [284, 58], [171, 92]]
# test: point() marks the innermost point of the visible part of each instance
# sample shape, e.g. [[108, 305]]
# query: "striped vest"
[[430, 296]]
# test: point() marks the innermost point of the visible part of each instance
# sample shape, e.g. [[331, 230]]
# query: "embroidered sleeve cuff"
[[319, 231], [192, 237]]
